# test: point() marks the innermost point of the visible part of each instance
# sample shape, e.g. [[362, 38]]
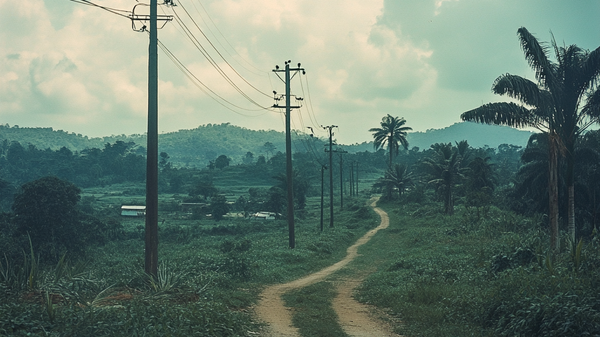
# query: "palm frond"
[[501, 113], [521, 89], [591, 66], [592, 104], [536, 55]]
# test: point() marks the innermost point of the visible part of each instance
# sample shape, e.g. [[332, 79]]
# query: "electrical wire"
[[309, 98], [202, 86], [218, 52], [309, 149], [260, 72], [205, 53], [119, 12]]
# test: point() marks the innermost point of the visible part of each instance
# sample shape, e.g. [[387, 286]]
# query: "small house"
[[130, 210], [264, 216]]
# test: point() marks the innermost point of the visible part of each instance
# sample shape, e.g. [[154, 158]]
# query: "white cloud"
[[438, 6], [82, 69]]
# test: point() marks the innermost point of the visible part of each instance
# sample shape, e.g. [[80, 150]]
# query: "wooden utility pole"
[[151, 260], [351, 178], [323, 168], [151, 229], [288, 148], [330, 130], [341, 152], [356, 177]]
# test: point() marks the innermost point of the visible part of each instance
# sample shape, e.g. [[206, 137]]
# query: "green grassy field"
[[479, 275], [210, 273], [482, 272]]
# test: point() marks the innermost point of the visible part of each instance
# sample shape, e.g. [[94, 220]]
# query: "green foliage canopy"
[[46, 210]]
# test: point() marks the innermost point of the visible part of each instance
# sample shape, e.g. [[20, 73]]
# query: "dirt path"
[[354, 317]]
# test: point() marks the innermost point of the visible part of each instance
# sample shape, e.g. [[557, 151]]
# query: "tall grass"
[[214, 273], [313, 314], [469, 275]]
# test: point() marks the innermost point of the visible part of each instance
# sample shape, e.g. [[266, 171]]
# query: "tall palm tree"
[[551, 105], [392, 133], [579, 71], [445, 171]]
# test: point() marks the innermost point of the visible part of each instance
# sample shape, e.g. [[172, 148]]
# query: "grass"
[[313, 313], [468, 276], [210, 274]]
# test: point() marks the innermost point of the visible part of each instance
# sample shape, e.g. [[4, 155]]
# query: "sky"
[[82, 69]]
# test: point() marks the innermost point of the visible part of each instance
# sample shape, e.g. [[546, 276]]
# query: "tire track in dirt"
[[272, 310], [358, 319]]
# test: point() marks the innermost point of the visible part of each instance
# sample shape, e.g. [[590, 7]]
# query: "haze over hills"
[[196, 147], [478, 135]]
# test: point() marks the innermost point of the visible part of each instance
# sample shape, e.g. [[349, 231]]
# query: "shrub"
[[46, 210]]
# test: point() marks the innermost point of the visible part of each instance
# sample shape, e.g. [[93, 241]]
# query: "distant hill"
[[477, 135], [193, 147], [196, 147]]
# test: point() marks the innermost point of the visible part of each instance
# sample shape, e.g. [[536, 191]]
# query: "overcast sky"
[[82, 69]]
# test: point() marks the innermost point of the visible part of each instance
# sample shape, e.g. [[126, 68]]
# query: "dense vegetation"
[[209, 275], [51, 282], [197, 147], [481, 274]]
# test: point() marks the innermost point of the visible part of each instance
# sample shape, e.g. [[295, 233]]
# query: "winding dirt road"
[[354, 317]]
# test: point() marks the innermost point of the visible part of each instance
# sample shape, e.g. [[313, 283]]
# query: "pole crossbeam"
[[153, 19]]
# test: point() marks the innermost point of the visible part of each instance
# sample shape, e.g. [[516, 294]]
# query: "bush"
[[46, 210]]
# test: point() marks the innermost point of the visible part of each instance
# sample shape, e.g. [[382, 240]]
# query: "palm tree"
[[392, 132], [531, 180], [481, 174], [551, 106], [445, 171], [464, 150], [397, 177]]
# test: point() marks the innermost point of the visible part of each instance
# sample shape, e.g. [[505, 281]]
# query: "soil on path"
[[354, 317]]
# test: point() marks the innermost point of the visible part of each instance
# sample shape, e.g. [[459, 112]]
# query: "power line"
[[207, 90], [205, 53], [120, 12], [309, 148], [312, 109], [261, 72], [217, 51], [309, 108]]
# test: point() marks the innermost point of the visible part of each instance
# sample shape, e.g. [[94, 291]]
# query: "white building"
[[130, 210]]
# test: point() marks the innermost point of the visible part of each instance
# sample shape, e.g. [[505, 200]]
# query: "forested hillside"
[[478, 135], [197, 147]]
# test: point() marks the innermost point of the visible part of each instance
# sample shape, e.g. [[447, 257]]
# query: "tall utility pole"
[[323, 168], [351, 178], [330, 130], [341, 152], [288, 148], [356, 177], [151, 229], [151, 261]]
